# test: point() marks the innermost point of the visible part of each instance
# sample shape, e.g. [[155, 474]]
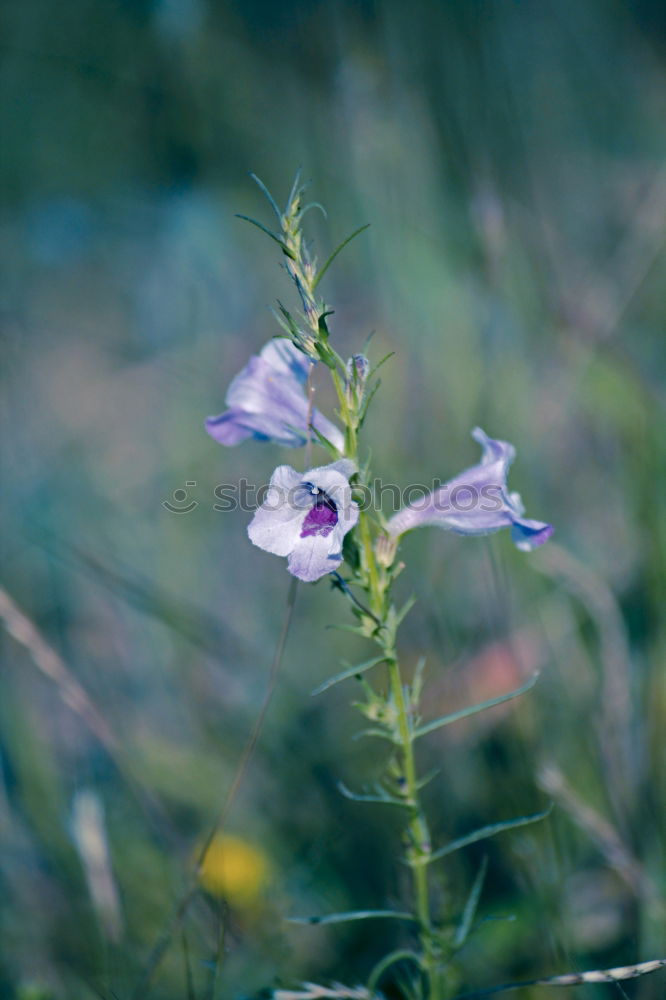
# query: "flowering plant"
[[315, 520]]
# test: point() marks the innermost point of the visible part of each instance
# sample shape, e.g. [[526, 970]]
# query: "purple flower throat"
[[322, 516]]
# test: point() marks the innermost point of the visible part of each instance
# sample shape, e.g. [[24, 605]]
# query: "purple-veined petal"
[[313, 557], [234, 426], [476, 502], [306, 517], [285, 358], [228, 428], [276, 525], [267, 401]]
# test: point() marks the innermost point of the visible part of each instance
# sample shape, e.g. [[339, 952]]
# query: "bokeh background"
[[510, 159]]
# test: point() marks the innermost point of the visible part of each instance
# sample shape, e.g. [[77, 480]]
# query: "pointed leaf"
[[285, 249], [360, 668], [342, 918], [356, 629], [382, 733], [381, 799], [325, 443], [368, 399], [379, 364], [335, 253], [404, 610], [401, 955], [446, 720], [311, 205], [487, 831], [427, 778], [470, 906], [268, 195], [296, 190]]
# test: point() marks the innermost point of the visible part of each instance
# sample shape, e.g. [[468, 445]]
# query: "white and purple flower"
[[477, 502], [267, 401], [305, 517]]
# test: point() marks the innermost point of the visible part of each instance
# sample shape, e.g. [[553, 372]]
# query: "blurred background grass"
[[510, 159]]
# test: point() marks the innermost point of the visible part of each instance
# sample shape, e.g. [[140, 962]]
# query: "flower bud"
[[385, 550]]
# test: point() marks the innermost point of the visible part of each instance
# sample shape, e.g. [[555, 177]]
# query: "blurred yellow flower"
[[234, 869]]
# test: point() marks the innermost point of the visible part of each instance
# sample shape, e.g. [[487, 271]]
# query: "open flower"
[[306, 516], [267, 401], [476, 502]]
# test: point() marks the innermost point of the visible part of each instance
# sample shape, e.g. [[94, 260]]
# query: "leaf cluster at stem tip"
[[309, 328]]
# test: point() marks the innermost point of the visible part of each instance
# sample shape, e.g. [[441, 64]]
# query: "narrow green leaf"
[[342, 918], [487, 831], [404, 610], [311, 205], [375, 368], [268, 195], [296, 190], [381, 799], [335, 253], [382, 733], [325, 443], [369, 398], [280, 242], [446, 720], [427, 778], [356, 629], [469, 912], [360, 668], [401, 955], [283, 323]]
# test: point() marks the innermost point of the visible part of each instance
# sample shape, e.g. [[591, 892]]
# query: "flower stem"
[[418, 835], [419, 847], [382, 625]]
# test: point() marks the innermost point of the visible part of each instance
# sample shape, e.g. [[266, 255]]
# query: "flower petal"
[[267, 401], [285, 358], [229, 428], [276, 524], [314, 556], [476, 502], [527, 535]]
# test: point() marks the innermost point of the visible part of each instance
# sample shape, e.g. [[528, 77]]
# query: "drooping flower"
[[267, 401], [477, 502], [305, 517]]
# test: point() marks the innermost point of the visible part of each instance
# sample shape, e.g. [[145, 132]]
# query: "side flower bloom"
[[305, 517], [477, 502], [267, 401]]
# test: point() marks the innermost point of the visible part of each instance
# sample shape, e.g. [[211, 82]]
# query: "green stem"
[[419, 848], [377, 583], [419, 836]]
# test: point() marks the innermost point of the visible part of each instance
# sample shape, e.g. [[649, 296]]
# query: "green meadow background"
[[509, 157]]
